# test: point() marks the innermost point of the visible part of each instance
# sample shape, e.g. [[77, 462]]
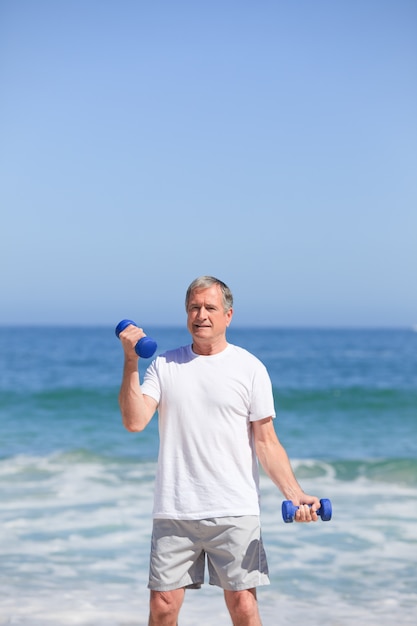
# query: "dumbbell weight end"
[[145, 347]]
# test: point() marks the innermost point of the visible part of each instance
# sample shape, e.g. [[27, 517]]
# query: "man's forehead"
[[212, 293]]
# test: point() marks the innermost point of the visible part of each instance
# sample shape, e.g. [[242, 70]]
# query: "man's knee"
[[243, 606], [165, 606]]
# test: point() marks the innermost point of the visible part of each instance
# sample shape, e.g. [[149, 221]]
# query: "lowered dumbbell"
[[289, 510], [145, 347]]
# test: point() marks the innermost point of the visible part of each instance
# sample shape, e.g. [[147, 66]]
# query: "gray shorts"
[[233, 546]]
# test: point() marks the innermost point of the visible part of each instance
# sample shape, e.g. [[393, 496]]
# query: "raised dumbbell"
[[289, 509], [145, 347]]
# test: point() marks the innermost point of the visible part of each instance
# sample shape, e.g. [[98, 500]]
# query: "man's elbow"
[[133, 429], [132, 426]]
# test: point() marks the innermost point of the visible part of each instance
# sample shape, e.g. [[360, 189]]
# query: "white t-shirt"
[[207, 466]]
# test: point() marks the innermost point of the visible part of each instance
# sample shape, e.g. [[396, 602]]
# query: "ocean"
[[76, 488]]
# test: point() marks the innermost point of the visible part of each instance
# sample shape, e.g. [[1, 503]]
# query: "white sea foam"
[[75, 533]]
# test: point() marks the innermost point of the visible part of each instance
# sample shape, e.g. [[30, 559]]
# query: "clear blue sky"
[[271, 143]]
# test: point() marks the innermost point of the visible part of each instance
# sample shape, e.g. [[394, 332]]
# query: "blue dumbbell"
[[289, 509], [145, 347]]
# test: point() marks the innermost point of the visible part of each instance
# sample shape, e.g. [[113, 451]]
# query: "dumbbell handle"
[[145, 347], [289, 510]]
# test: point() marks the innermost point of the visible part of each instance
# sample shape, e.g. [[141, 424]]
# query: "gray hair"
[[203, 282]]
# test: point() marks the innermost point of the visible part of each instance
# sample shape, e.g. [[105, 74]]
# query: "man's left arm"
[[274, 459]]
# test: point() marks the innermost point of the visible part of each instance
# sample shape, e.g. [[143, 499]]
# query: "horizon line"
[[283, 326]]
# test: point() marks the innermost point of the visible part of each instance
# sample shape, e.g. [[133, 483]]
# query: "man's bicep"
[[263, 430]]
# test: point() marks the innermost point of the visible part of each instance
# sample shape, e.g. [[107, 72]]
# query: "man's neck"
[[209, 348]]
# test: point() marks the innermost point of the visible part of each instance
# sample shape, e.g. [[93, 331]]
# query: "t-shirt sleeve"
[[262, 401], [151, 384]]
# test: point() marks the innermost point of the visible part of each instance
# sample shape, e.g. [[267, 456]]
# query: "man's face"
[[206, 317]]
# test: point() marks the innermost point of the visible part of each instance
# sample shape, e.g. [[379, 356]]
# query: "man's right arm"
[[136, 408]]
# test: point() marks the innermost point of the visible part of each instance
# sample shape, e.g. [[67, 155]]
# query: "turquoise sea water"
[[76, 488]]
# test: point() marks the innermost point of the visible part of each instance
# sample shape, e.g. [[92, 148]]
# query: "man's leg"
[[243, 607], [165, 606]]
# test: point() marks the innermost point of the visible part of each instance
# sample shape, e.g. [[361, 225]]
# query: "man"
[[215, 408]]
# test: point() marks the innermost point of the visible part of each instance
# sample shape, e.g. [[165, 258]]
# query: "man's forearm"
[[274, 460]]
